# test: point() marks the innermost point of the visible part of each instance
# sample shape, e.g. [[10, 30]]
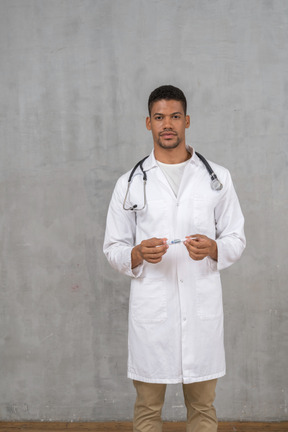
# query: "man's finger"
[[153, 256], [198, 244], [154, 250], [154, 242], [154, 261]]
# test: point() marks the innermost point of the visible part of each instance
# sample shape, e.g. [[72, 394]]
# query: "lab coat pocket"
[[148, 300], [203, 214], [209, 297]]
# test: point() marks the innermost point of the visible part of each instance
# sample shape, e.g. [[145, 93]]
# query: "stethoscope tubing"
[[215, 183]]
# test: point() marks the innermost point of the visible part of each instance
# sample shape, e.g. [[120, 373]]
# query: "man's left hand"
[[200, 246]]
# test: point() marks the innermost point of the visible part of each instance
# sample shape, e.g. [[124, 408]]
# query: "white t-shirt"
[[173, 173]]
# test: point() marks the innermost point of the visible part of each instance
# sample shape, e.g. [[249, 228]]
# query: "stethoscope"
[[216, 185]]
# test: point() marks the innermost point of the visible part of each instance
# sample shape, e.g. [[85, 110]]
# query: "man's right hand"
[[150, 250]]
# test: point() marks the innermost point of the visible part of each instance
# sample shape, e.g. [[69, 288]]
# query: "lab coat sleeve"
[[229, 220], [120, 233]]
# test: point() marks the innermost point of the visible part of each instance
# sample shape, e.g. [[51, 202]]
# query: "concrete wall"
[[74, 82]]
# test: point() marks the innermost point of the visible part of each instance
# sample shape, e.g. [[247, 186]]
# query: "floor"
[[127, 427]]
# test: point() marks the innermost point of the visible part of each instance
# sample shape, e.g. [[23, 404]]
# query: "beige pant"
[[199, 398]]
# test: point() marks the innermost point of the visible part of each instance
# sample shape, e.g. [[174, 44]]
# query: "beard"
[[168, 144]]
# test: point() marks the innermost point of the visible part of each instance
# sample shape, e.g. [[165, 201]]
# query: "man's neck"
[[171, 156]]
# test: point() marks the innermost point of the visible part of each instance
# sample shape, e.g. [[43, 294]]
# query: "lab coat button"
[[181, 280]]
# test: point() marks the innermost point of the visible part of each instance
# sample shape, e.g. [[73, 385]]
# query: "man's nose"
[[167, 123]]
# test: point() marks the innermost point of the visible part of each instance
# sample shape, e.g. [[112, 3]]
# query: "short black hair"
[[167, 92]]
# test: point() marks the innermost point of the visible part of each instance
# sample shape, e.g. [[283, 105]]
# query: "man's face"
[[168, 123]]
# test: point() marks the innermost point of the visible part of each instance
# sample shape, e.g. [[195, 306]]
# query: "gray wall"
[[75, 78]]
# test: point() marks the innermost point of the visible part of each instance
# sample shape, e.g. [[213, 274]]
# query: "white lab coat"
[[175, 310]]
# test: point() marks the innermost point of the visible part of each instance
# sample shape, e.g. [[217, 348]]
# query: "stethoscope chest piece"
[[216, 185]]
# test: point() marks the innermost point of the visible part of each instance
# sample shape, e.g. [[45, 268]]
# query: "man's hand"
[[150, 250], [201, 247]]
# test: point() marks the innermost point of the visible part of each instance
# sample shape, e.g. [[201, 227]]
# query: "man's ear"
[[187, 121], [148, 123]]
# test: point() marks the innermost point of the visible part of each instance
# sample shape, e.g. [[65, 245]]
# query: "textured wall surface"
[[75, 76]]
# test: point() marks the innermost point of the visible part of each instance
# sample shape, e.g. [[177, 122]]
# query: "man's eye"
[[176, 116], [158, 118]]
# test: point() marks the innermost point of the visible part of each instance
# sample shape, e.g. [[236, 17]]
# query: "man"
[[175, 311]]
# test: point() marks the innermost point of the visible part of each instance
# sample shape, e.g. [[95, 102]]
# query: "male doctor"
[[175, 310]]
